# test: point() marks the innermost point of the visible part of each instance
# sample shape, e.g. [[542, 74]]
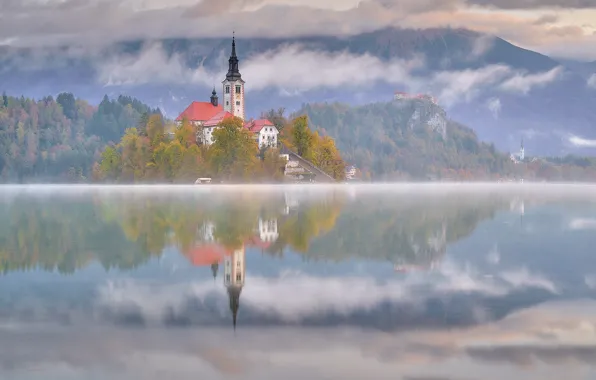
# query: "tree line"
[[149, 154]]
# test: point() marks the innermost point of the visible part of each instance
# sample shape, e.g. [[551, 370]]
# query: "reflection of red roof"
[[217, 118], [205, 255], [255, 126], [256, 241], [199, 111]]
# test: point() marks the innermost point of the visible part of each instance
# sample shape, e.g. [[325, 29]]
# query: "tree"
[[273, 164], [155, 129], [234, 152], [302, 137], [277, 117], [68, 103], [186, 134], [111, 163]]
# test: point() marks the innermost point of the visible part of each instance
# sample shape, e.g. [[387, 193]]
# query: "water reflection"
[[294, 284]]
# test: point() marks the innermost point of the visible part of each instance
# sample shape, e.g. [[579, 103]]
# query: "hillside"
[[59, 139], [169, 73], [407, 139]]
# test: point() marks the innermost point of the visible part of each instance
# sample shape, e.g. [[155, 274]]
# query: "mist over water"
[[389, 281]]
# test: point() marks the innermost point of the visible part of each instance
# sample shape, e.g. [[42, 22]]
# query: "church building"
[[206, 116]]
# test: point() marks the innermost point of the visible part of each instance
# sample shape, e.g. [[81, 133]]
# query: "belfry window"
[[238, 89], [227, 89]]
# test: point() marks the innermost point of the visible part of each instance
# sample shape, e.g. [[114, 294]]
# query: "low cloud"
[[581, 142], [494, 106], [592, 81], [294, 69], [523, 84]]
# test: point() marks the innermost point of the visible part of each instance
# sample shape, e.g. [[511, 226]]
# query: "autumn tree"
[[111, 163], [233, 155]]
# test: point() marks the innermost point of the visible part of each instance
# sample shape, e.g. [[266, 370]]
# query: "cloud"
[[294, 69], [592, 81], [534, 4], [96, 22], [152, 65], [494, 106], [520, 83], [581, 142]]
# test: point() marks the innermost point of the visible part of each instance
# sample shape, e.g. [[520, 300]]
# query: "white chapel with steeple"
[[206, 116]]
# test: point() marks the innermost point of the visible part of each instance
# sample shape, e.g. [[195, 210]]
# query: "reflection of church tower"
[[234, 270], [214, 269]]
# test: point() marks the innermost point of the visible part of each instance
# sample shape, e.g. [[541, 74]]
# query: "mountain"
[[505, 93], [411, 138]]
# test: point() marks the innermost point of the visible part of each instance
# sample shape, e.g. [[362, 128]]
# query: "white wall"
[[268, 137]]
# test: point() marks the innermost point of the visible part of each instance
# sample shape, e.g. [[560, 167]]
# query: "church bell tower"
[[234, 272], [233, 86]]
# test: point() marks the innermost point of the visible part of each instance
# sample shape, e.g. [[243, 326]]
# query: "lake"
[[406, 282]]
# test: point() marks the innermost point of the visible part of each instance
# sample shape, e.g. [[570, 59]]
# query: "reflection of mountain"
[[412, 235]]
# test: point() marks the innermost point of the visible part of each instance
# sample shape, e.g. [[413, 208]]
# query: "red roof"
[[255, 126], [199, 111], [217, 118]]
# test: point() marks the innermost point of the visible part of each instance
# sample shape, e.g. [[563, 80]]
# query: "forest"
[[67, 140], [59, 139]]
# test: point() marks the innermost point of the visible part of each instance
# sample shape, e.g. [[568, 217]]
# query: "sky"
[[564, 28]]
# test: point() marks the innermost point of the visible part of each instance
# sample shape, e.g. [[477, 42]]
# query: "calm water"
[[412, 282]]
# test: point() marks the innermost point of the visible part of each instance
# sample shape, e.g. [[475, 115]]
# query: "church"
[[206, 116]]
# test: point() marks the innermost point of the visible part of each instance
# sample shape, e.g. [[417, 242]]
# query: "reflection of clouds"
[[582, 224], [543, 342], [294, 297], [494, 256]]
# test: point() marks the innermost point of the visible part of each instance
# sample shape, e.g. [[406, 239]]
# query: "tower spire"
[[233, 71], [234, 296]]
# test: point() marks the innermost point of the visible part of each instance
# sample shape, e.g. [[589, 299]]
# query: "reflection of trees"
[[60, 235], [124, 231]]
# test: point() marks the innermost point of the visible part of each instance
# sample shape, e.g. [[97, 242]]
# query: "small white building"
[[266, 134], [350, 172]]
